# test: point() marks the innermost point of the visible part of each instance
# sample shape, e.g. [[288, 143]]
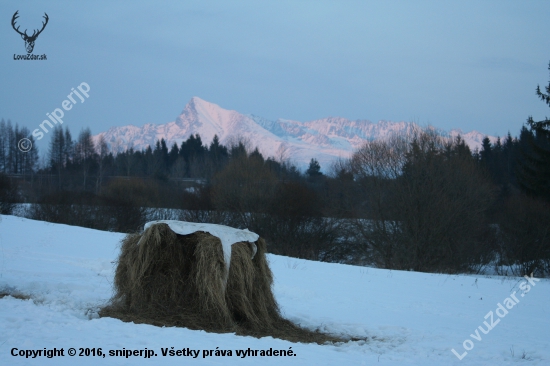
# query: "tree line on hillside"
[[13, 159], [412, 202]]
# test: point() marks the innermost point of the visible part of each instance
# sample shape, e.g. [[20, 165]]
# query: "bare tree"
[[178, 168], [56, 153], [424, 201], [245, 187], [4, 146], [102, 152]]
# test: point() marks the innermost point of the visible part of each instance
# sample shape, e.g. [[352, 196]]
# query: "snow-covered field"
[[410, 318]]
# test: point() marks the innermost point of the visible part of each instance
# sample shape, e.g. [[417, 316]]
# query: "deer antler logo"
[[29, 40]]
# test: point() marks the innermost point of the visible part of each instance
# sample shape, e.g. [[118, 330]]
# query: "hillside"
[[409, 318]]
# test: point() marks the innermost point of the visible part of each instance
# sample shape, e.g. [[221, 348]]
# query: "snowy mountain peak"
[[198, 106], [324, 139]]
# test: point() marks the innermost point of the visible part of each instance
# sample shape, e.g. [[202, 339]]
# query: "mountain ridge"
[[324, 139]]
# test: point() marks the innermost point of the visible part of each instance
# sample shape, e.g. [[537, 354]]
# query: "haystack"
[[200, 276]]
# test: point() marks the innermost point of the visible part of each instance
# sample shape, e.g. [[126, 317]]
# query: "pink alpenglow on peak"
[[325, 139]]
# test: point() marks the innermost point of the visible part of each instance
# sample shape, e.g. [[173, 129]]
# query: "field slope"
[[58, 276]]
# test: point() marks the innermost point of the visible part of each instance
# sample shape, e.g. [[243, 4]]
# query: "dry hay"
[[178, 280], [15, 295]]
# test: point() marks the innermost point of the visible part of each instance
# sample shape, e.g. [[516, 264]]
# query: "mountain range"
[[323, 139]]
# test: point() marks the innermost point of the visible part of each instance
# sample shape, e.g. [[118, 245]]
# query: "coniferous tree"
[[534, 172], [486, 153], [160, 157], [238, 150], [218, 153], [314, 169], [509, 152], [257, 155], [173, 155], [149, 161], [164, 155]]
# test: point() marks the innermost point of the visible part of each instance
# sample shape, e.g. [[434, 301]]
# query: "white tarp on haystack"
[[227, 235]]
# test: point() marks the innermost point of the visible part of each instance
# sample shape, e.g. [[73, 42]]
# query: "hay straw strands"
[[171, 279], [227, 235]]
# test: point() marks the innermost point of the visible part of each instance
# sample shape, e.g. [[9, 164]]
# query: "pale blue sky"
[[453, 64]]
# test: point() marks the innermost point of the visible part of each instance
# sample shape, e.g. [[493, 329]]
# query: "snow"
[[326, 139], [227, 235], [410, 318]]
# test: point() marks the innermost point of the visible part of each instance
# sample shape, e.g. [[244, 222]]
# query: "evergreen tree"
[[160, 158], [314, 169], [508, 162], [148, 162], [164, 153], [173, 155], [192, 147], [238, 150], [217, 152], [534, 172], [217, 156], [257, 155], [215, 144], [486, 152]]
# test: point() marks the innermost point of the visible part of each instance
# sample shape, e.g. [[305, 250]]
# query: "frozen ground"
[[410, 318]]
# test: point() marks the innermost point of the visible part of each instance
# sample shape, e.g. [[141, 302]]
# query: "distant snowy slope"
[[410, 318], [324, 139]]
